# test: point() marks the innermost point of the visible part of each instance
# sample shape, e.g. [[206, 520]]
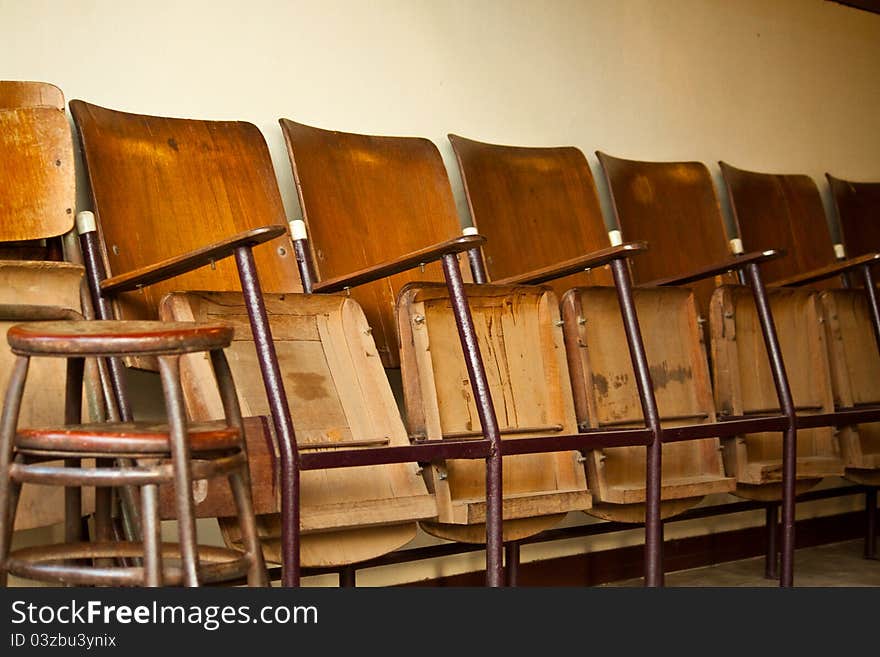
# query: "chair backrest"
[[673, 207], [162, 187], [14, 93], [367, 199], [858, 209], [536, 207], [36, 174], [780, 211]]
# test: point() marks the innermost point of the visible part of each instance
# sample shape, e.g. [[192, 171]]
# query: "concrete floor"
[[837, 564]]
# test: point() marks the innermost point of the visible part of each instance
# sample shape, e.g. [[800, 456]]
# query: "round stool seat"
[[125, 438], [116, 338]]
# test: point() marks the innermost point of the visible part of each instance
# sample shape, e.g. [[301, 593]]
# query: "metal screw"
[[347, 291], [422, 267], [582, 321], [701, 320], [581, 458], [727, 315], [213, 265], [282, 251], [368, 331], [419, 319], [559, 323], [115, 249], [443, 474]]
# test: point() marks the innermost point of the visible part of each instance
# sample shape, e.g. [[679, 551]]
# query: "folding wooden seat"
[[674, 205], [367, 200], [858, 206], [173, 199], [786, 211], [37, 200], [539, 210]]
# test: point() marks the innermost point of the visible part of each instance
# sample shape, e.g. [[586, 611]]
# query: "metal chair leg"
[[8, 425], [151, 535], [169, 372], [257, 575], [771, 553], [871, 523], [511, 563]]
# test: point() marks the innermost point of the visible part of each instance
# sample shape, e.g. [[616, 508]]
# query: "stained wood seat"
[[674, 205], [369, 199], [122, 438], [174, 198], [787, 210], [37, 200], [539, 210], [857, 205]]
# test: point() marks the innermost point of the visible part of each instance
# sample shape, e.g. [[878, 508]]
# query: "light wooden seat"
[[538, 208], [674, 205], [787, 211], [163, 187], [377, 198], [37, 199]]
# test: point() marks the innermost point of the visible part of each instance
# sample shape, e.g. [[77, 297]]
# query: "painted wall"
[[785, 85]]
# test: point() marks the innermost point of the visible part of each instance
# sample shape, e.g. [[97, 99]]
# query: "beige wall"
[[786, 85], [768, 84]]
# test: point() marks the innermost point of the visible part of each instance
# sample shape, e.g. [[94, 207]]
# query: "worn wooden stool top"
[[116, 338]]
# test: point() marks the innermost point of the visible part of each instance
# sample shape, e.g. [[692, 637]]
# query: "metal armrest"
[[574, 265], [731, 264], [828, 272], [181, 264], [401, 264]]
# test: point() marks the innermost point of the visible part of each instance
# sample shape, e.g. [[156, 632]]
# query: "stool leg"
[[169, 372], [248, 524], [152, 535], [8, 425], [73, 415], [240, 482]]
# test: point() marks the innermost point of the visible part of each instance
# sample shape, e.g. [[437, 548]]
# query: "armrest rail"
[[575, 265], [829, 271], [731, 264]]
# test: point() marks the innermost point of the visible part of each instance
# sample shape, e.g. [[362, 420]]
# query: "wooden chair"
[[675, 203], [14, 94], [368, 200], [786, 210], [37, 200], [174, 198], [539, 210], [857, 205]]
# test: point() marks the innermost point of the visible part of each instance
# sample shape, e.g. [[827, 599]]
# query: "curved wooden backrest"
[[780, 211], [162, 187], [14, 93], [37, 176], [536, 207], [672, 206], [858, 209], [368, 199]]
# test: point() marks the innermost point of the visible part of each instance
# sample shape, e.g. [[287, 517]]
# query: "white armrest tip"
[[298, 229], [85, 222], [615, 237], [470, 230], [839, 253]]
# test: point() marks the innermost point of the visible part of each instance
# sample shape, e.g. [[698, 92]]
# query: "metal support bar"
[[281, 420], [771, 552], [486, 412], [789, 440], [348, 577], [653, 522], [873, 308], [511, 563], [871, 522], [304, 263]]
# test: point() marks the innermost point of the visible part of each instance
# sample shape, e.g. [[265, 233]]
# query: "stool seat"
[[125, 438], [116, 338]]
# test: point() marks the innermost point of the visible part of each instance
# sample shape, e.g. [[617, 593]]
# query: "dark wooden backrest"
[[535, 206], [162, 187], [858, 210], [14, 93], [673, 207], [37, 175], [368, 199], [780, 211]]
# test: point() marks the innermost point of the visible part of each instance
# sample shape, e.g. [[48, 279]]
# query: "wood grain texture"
[[673, 207], [37, 175], [783, 212], [25, 93], [524, 356], [163, 187], [744, 385], [606, 395], [58, 284], [339, 398], [536, 206], [858, 206], [367, 200]]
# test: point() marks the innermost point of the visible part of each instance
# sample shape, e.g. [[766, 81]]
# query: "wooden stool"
[[133, 454]]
